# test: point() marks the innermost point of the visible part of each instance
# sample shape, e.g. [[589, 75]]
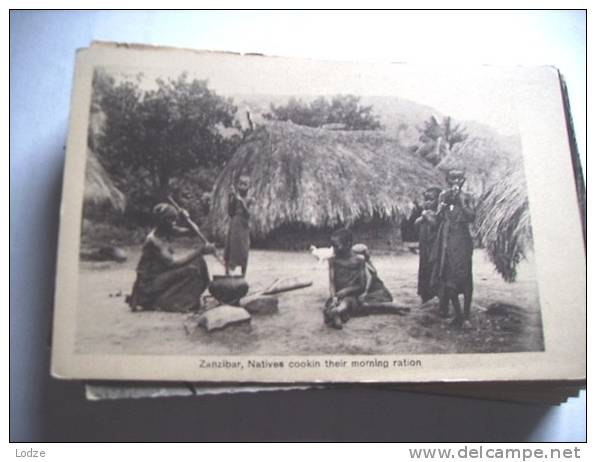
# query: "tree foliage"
[[345, 111], [438, 138], [152, 136], [451, 133]]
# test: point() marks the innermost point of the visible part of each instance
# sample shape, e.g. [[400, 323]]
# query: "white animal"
[[321, 253]]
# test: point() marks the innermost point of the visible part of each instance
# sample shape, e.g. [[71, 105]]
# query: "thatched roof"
[[99, 187], [503, 222], [322, 178]]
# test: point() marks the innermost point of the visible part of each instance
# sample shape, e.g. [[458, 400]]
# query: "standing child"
[[427, 225], [238, 239]]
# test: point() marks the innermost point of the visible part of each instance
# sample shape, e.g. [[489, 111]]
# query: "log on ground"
[[260, 304]]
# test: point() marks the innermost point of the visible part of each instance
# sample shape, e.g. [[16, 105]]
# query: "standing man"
[[452, 272]]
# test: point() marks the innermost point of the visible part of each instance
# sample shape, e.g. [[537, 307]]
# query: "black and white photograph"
[[251, 206], [356, 225], [327, 224]]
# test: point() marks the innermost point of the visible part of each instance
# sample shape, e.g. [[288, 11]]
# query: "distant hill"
[[510, 143], [485, 155], [399, 116]]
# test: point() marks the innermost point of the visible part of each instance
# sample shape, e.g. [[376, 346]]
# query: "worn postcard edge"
[[560, 268]]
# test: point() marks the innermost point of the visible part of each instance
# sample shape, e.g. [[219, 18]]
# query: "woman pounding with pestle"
[[166, 281]]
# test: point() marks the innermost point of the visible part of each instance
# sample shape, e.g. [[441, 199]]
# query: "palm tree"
[[438, 138]]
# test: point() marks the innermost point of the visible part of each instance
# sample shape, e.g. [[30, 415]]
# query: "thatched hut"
[[308, 181], [100, 190], [503, 222]]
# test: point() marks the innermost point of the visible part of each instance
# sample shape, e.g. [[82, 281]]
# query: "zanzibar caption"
[[308, 363]]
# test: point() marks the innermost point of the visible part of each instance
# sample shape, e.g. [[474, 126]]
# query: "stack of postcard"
[[241, 223]]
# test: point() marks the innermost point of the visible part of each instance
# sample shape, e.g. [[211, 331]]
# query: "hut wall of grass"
[[503, 223], [311, 178], [379, 235], [101, 194], [103, 205], [483, 160]]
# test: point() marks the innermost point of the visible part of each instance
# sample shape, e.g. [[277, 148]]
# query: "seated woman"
[[165, 281], [354, 285]]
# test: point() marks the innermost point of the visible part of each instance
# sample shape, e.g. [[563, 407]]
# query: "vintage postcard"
[[248, 219]]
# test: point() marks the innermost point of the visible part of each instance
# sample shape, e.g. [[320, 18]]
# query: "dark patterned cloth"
[[377, 292], [452, 252], [161, 287], [427, 238]]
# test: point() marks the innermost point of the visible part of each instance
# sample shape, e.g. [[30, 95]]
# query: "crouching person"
[[166, 281], [354, 285]]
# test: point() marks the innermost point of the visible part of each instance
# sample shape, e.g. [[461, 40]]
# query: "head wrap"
[[360, 249], [455, 174], [163, 212], [432, 193]]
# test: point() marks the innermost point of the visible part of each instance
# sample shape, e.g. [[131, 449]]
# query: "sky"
[[440, 39], [480, 93]]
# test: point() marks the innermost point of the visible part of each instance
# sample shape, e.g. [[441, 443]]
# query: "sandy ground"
[[106, 326]]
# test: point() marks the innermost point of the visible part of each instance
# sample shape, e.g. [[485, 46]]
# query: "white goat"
[[321, 253]]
